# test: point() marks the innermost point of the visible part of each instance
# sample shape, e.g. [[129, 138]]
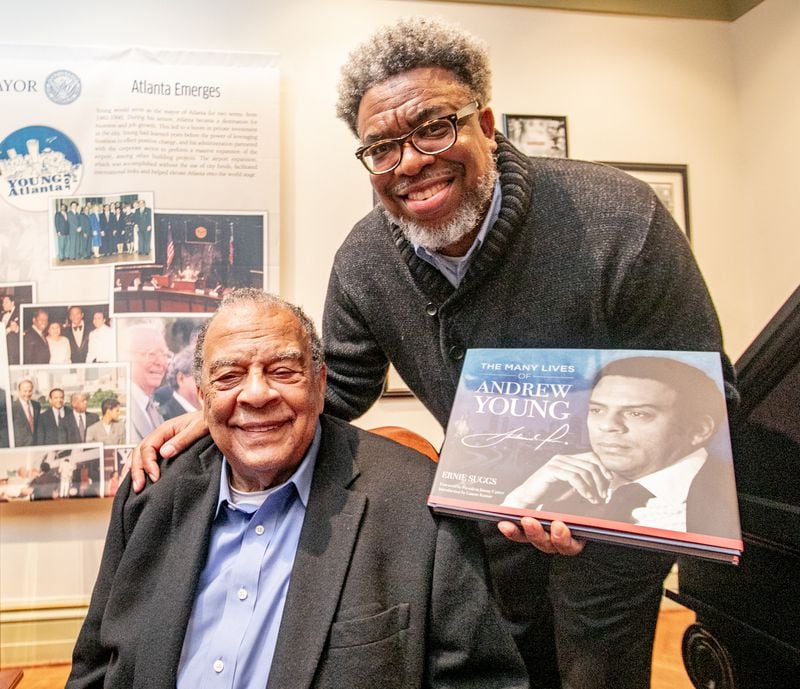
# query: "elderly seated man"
[[288, 549]]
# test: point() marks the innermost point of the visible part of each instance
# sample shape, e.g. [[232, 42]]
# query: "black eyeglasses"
[[430, 138]]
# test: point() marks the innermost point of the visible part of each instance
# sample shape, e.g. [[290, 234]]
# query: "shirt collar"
[[186, 404], [301, 478], [139, 396], [454, 271], [673, 482]]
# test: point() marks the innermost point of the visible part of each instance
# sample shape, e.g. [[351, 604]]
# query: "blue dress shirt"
[[238, 605]]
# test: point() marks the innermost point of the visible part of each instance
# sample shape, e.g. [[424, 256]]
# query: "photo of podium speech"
[[198, 259]]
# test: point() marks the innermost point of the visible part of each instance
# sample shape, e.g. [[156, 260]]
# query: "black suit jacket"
[[34, 348], [23, 436], [73, 434], [711, 503], [50, 433], [77, 352], [170, 408], [13, 338], [61, 223], [382, 595]]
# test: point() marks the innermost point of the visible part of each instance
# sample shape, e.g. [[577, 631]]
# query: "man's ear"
[[704, 428], [486, 119], [322, 382]]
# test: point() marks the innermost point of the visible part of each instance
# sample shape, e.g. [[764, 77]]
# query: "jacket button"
[[431, 309], [456, 353]]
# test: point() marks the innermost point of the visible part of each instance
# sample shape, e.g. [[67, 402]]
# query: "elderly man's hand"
[[558, 541], [170, 438]]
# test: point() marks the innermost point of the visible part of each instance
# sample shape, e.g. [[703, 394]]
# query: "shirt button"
[[456, 353], [260, 530], [431, 309], [242, 593], [219, 666]]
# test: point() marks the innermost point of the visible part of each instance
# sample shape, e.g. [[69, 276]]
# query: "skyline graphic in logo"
[[36, 162], [62, 87]]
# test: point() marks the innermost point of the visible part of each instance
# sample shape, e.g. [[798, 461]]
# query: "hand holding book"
[[557, 541]]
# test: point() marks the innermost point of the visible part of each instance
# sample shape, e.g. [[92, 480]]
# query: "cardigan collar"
[[516, 187]]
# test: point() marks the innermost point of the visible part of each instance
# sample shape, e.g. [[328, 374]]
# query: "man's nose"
[[257, 391], [412, 161], [612, 423]]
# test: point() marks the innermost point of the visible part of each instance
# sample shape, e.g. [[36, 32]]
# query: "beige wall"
[[720, 97], [766, 59]]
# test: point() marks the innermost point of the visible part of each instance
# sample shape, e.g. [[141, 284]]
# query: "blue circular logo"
[[35, 163], [63, 87]]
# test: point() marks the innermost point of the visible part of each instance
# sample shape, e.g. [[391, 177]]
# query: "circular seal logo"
[[63, 87], [36, 163], [200, 232]]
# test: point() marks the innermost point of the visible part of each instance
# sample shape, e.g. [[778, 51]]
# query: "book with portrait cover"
[[625, 446]]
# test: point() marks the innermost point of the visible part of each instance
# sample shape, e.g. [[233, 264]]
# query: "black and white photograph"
[[669, 182], [394, 385], [199, 257], [538, 135], [101, 230]]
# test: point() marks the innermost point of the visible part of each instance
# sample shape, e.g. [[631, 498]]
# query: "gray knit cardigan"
[[581, 255]]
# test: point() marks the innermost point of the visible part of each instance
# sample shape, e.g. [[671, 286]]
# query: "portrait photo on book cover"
[[609, 435]]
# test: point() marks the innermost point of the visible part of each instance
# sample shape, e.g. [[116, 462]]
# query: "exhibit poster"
[[134, 184]]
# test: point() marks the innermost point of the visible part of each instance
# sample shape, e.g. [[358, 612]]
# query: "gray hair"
[[251, 295], [182, 362], [409, 44]]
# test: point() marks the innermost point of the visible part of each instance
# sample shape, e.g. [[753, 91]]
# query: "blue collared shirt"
[[455, 269], [238, 606]]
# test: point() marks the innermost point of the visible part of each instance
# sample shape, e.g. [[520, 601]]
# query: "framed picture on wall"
[[394, 385], [671, 184], [538, 135]]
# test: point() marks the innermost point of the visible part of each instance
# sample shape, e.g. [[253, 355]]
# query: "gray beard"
[[468, 217]]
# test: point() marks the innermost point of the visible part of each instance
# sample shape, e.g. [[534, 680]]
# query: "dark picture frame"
[[394, 385], [538, 135], [669, 182]]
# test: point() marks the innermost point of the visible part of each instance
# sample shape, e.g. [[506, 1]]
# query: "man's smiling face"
[[432, 192], [261, 392]]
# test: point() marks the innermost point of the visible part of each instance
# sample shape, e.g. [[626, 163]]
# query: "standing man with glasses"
[[476, 245], [149, 358]]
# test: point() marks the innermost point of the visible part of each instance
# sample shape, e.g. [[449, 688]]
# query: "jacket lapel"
[[330, 530], [195, 499]]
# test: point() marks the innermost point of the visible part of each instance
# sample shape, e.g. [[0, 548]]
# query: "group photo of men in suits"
[[115, 228], [69, 406], [57, 334], [56, 423]]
